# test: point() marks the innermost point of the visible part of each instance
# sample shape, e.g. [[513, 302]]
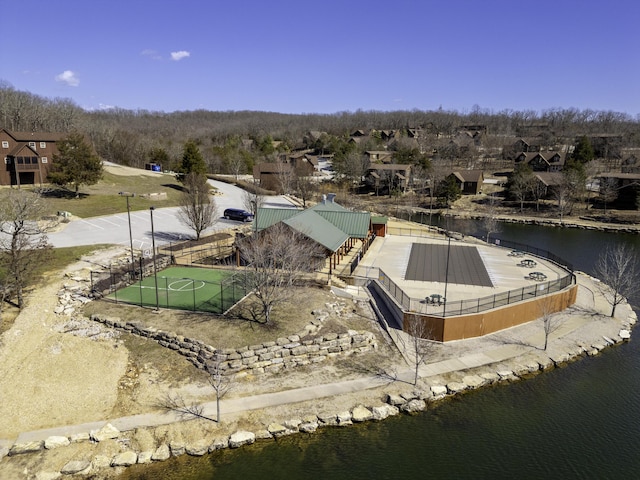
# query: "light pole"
[[446, 275], [155, 269], [127, 195]]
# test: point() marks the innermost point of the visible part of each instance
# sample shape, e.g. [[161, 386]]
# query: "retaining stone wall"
[[268, 357]]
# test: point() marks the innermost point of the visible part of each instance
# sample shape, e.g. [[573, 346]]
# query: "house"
[[27, 156], [388, 176], [631, 164], [279, 176], [626, 184], [379, 156], [547, 182], [542, 161], [526, 145], [274, 176], [469, 181]]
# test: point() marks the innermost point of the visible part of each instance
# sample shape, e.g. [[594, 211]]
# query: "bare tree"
[[521, 183], [253, 200], [198, 210], [278, 259], [435, 176], [175, 402], [354, 167], [220, 382], [415, 345], [286, 177], [490, 220], [237, 164], [564, 199], [617, 268], [305, 188], [549, 318], [24, 245], [538, 190], [608, 191]]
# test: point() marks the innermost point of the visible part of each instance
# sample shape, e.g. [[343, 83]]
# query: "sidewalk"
[[576, 327]]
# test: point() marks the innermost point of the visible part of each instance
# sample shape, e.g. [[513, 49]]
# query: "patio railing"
[[463, 307]]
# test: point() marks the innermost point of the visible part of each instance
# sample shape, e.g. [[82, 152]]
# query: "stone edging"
[[408, 403], [548, 222], [267, 357]]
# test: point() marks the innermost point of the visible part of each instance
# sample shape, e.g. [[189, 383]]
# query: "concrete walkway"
[[462, 355]]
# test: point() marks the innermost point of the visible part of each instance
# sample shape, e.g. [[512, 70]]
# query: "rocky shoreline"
[[583, 223], [107, 450]]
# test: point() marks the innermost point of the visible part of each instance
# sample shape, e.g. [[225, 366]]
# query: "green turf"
[[185, 288]]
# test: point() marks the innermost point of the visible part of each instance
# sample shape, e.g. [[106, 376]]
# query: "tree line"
[[232, 142]]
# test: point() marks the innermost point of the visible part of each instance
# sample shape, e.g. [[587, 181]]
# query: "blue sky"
[[298, 56]]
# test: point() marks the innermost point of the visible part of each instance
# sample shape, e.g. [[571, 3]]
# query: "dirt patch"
[[237, 329]]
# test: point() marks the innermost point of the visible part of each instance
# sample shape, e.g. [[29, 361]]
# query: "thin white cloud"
[[68, 77], [151, 54], [180, 55]]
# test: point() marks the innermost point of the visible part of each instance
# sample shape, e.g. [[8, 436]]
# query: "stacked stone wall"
[[267, 357]]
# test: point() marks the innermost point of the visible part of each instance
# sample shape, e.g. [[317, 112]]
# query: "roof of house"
[[326, 223], [354, 224], [312, 225], [469, 175], [549, 178], [390, 166], [270, 216], [272, 167], [35, 136], [19, 148]]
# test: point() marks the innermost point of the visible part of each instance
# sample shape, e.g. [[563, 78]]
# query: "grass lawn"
[[233, 330], [184, 288], [103, 199]]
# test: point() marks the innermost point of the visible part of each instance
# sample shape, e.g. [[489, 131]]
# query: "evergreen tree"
[[75, 163], [449, 190], [583, 152], [192, 161]]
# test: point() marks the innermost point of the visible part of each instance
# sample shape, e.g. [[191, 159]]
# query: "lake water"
[[581, 421]]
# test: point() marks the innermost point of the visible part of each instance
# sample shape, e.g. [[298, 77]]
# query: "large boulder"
[[199, 448], [162, 453], [361, 414], [56, 441], [105, 433], [277, 430], [75, 467], [125, 459], [27, 447], [383, 411], [413, 406], [241, 438]]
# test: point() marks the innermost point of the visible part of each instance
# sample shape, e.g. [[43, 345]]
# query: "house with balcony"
[[27, 156]]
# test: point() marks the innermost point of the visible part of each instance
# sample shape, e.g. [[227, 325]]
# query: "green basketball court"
[[186, 288]]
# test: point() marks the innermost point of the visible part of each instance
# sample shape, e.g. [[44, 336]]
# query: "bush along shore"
[[107, 450]]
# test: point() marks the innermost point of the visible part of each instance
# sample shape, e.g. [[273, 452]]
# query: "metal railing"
[[476, 305]]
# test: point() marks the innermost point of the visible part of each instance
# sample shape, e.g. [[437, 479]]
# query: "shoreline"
[[104, 448]]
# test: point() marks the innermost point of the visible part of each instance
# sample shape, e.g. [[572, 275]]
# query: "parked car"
[[238, 214]]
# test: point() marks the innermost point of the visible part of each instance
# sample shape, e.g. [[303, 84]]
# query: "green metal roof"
[[270, 216], [328, 223], [379, 219], [329, 206], [312, 225], [354, 224]]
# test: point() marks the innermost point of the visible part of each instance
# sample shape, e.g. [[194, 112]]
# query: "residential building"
[[27, 156]]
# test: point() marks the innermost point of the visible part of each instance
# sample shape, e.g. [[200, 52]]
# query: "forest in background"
[[233, 141]]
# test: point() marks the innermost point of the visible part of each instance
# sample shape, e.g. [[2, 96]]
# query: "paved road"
[[114, 229]]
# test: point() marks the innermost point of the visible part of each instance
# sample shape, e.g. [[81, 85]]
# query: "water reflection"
[[580, 421]]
